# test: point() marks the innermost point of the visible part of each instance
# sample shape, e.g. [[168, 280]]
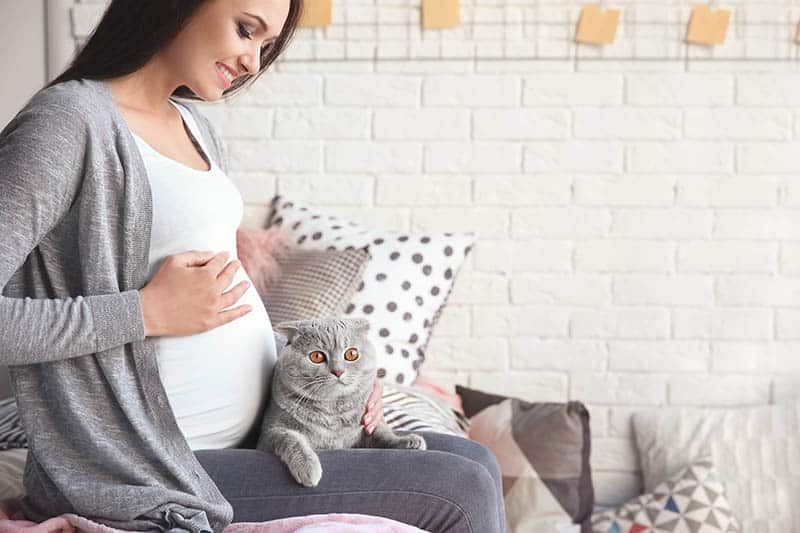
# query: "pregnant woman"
[[139, 352]]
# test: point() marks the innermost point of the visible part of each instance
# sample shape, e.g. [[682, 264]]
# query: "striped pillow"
[[12, 435], [413, 409]]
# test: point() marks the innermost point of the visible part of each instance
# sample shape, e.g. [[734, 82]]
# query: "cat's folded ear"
[[360, 325], [288, 329]]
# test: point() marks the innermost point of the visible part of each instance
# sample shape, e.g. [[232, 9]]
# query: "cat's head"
[[333, 352]]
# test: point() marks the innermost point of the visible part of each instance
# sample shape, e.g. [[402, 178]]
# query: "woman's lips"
[[225, 82]]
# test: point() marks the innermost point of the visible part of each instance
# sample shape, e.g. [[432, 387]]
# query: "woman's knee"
[[473, 493], [466, 448]]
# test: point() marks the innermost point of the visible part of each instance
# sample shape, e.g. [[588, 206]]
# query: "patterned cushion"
[[405, 285], [694, 501], [298, 284], [543, 451], [314, 283], [754, 451], [413, 409]]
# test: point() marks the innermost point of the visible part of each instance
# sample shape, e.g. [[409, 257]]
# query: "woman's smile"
[[225, 74]]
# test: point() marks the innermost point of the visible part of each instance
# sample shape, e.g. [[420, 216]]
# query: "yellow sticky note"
[[316, 13], [707, 27], [438, 14], [597, 26]]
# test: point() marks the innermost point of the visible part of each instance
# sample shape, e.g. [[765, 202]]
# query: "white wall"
[[22, 54], [639, 221]]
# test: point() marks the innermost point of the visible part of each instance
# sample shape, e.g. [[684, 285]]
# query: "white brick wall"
[[638, 221]]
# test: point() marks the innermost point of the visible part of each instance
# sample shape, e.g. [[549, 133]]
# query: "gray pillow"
[[314, 283], [754, 450]]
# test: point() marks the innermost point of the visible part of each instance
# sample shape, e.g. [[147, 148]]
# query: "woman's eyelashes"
[[243, 32], [246, 34]]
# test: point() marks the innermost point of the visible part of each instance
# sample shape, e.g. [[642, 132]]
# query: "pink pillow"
[[441, 391], [259, 251]]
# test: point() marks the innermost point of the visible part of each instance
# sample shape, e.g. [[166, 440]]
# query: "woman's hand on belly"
[[186, 296]]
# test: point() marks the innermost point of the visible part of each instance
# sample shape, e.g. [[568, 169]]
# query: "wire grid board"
[[544, 29]]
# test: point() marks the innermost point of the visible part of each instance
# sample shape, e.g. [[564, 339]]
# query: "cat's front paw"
[[412, 441], [307, 471]]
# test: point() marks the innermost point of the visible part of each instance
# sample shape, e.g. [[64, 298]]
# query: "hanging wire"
[[545, 30]]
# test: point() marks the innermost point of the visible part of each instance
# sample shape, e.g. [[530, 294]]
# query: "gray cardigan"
[[75, 220]]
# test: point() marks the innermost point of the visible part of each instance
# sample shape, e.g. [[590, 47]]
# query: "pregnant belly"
[[216, 380]]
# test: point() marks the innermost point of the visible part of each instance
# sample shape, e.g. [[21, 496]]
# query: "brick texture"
[[638, 224]]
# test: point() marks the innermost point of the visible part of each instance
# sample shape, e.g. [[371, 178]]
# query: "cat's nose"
[[337, 373]]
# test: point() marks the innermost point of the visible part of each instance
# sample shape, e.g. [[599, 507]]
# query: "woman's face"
[[224, 35]]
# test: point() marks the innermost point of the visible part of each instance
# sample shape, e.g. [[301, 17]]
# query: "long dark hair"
[[132, 31]]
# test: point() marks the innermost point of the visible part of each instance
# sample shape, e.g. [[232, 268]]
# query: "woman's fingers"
[[377, 407], [373, 397], [369, 425], [373, 414]]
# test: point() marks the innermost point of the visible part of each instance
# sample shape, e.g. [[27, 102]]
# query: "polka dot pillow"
[[405, 284]]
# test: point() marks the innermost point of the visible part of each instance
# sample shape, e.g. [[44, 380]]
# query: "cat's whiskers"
[[311, 392], [312, 381], [303, 401], [304, 397]]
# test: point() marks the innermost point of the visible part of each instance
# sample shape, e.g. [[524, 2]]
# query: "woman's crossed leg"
[[454, 486]]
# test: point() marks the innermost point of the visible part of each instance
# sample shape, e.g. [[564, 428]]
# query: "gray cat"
[[319, 390]]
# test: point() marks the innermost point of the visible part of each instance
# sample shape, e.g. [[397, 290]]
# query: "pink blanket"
[[12, 521]]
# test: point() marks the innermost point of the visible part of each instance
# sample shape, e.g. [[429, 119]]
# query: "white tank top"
[[216, 381]]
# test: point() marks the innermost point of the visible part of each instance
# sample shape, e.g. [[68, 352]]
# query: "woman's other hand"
[[374, 413], [186, 295]]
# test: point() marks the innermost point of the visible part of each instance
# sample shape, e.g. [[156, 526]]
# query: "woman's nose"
[[251, 63]]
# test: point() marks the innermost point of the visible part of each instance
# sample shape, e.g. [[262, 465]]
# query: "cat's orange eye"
[[351, 354], [316, 357]]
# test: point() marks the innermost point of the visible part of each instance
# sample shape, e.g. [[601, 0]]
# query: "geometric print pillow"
[[404, 287], [543, 449], [693, 502]]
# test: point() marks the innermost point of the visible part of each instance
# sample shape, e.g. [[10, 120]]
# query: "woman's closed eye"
[[244, 32]]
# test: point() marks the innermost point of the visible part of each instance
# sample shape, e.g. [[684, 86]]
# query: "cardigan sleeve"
[[42, 167]]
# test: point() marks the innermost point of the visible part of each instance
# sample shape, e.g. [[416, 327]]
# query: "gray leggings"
[[454, 486]]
